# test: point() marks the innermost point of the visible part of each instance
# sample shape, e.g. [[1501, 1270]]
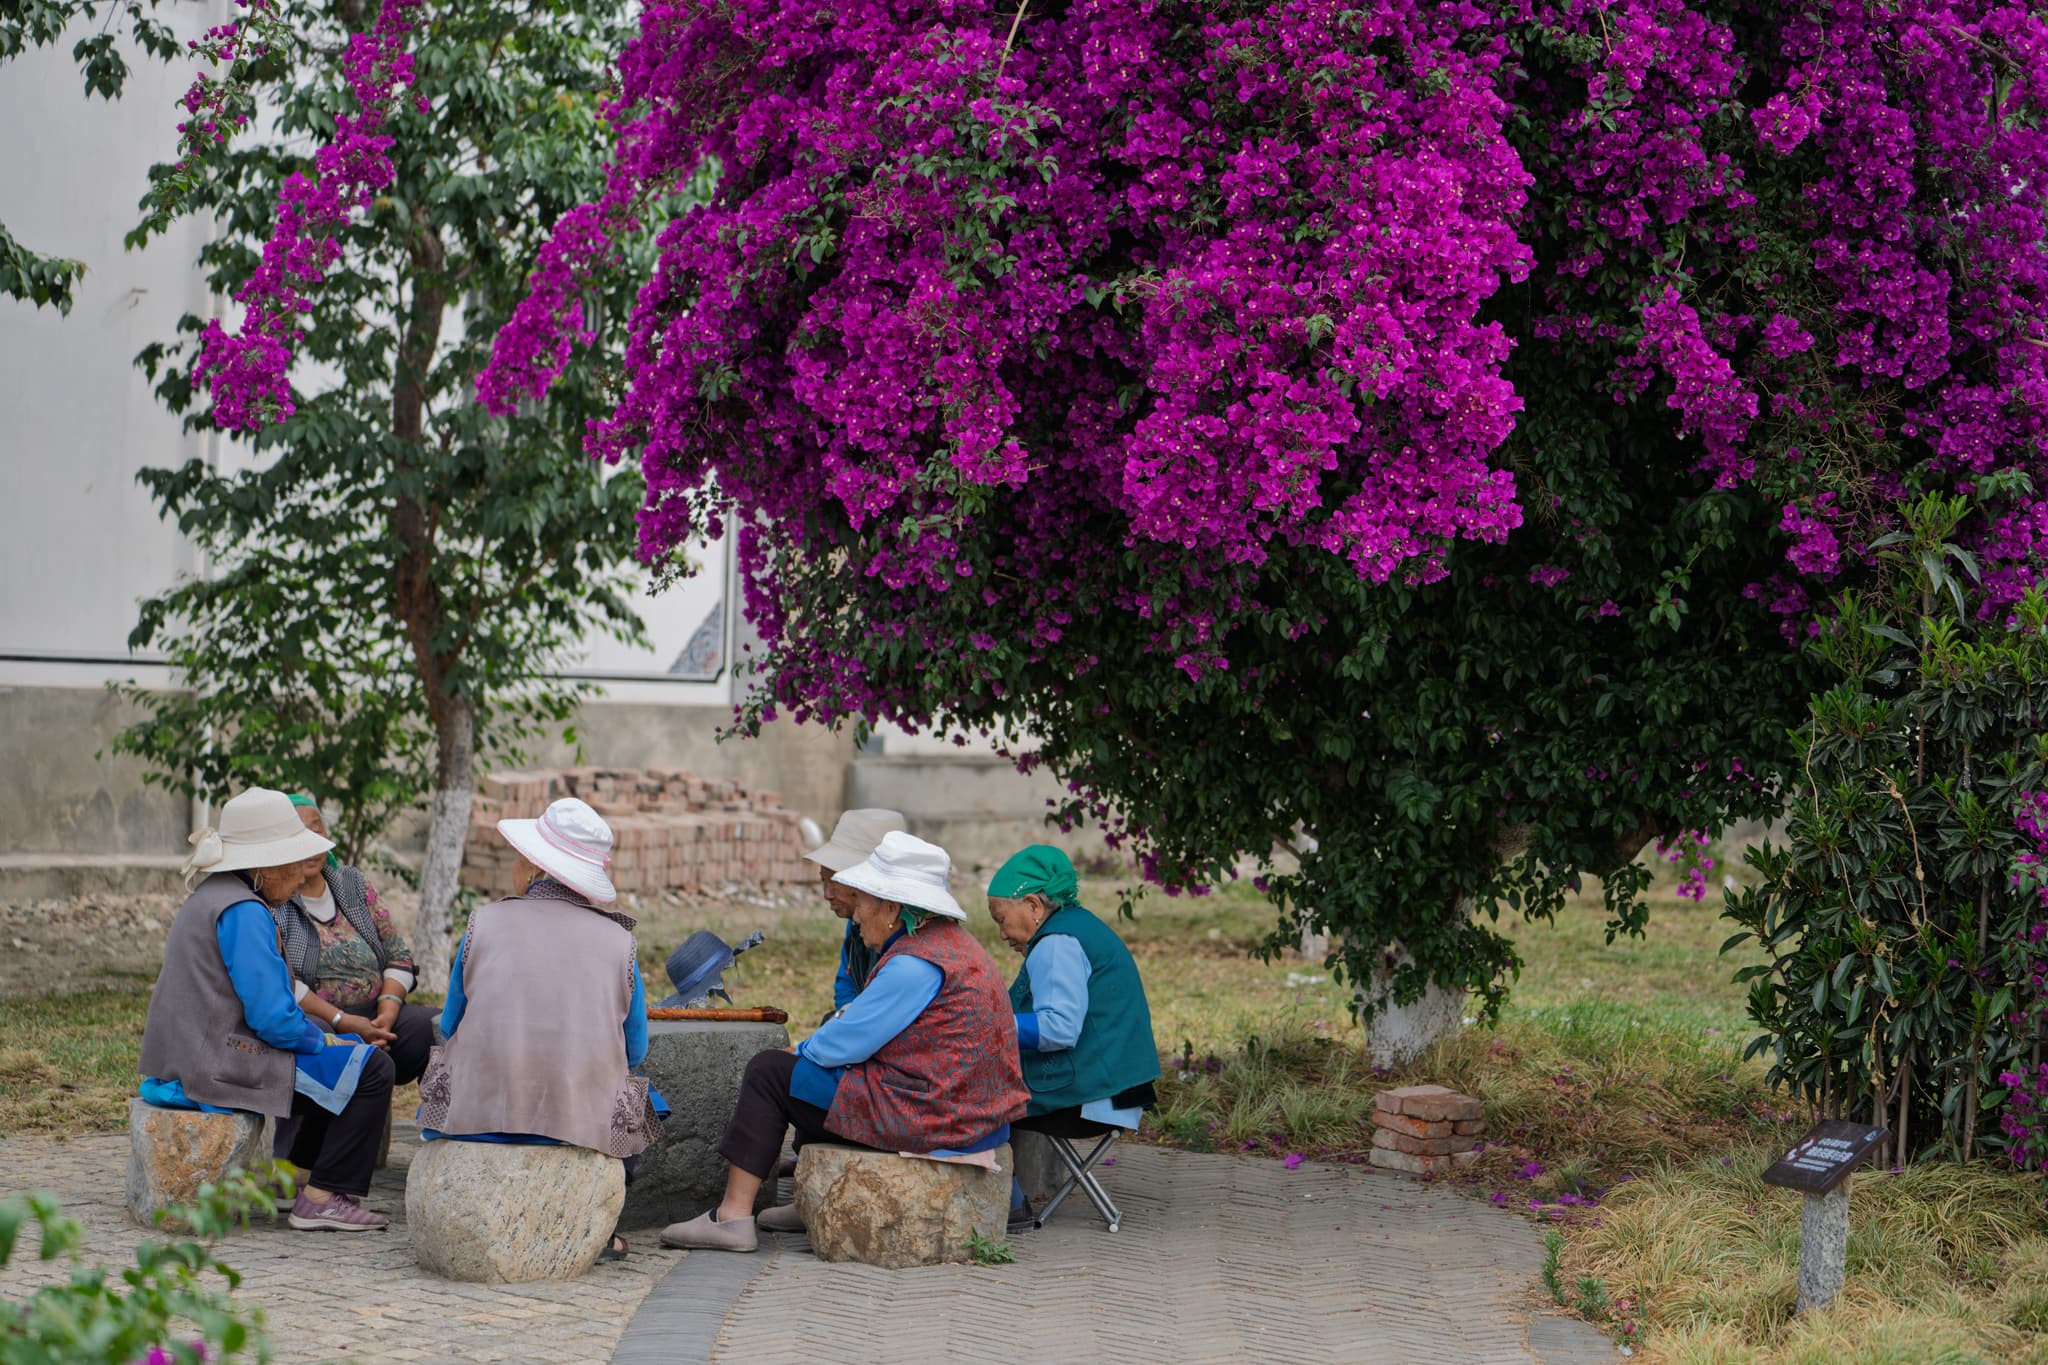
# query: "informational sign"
[[1824, 1157]]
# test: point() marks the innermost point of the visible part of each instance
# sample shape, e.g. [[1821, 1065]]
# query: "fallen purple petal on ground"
[[1293, 1161]]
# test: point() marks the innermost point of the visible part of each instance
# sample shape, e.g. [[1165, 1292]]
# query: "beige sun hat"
[[905, 869], [855, 837], [258, 828], [571, 843]]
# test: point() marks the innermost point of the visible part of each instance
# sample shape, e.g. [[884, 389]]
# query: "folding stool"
[[1080, 1169]]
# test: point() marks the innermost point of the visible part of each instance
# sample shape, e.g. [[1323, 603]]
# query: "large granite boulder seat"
[[495, 1213], [172, 1152], [697, 1066], [895, 1211]]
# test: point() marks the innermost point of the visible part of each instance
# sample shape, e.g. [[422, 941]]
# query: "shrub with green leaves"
[[164, 1307], [1890, 995]]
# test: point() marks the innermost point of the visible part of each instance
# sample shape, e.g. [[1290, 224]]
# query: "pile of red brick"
[[671, 830], [1426, 1129]]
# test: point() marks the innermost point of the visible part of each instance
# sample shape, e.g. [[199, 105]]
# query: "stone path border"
[[679, 1322]]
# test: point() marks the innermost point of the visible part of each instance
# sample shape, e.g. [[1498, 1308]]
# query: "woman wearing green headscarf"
[[1083, 1026]]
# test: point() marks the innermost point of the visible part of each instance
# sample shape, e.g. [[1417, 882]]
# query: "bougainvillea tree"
[[396, 575], [1428, 426]]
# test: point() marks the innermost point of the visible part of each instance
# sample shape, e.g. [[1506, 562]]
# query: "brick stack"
[[1426, 1129], [672, 831]]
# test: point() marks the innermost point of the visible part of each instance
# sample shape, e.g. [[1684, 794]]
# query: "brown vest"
[[196, 1034], [541, 1046]]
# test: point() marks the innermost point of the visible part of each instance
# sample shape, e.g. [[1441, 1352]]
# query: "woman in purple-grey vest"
[[547, 1014], [923, 1060], [225, 1034]]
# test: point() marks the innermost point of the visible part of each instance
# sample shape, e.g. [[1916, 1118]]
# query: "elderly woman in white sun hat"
[[853, 839], [923, 1061], [546, 1014], [224, 1032]]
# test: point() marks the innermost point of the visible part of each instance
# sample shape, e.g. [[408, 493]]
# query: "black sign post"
[[1818, 1166]]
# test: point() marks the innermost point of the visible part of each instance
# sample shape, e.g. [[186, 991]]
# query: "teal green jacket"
[[1114, 1052]]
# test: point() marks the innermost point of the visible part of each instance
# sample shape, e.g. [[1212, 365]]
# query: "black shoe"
[[1021, 1218]]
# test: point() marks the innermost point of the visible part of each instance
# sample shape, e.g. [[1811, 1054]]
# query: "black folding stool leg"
[[1080, 1171]]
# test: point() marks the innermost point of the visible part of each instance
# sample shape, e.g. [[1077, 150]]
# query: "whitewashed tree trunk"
[[1396, 1035], [447, 831]]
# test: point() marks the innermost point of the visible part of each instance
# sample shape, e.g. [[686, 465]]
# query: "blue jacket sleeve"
[[895, 996], [636, 1020], [248, 945], [842, 984], [1058, 968], [457, 1002]]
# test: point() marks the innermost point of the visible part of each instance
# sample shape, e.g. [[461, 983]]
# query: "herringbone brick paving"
[[329, 1296], [1220, 1259]]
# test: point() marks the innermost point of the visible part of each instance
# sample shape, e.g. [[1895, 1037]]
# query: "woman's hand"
[[387, 1013], [369, 1030]]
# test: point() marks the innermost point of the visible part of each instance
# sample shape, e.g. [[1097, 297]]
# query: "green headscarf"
[[1040, 870], [302, 799]]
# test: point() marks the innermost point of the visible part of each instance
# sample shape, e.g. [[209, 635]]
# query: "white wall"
[[80, 541]]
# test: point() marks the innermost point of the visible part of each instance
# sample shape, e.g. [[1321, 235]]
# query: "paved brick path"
[[347, 1296], [1221, 1258]]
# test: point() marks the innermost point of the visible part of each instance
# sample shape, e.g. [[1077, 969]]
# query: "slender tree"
[[398, 573]]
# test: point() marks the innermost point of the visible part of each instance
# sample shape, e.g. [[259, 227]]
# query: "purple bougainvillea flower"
[[1293, 1160]]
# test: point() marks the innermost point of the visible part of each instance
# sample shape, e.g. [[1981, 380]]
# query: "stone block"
[[1039, 1169], [1411, 1127], [1388, 1140], [1430, 1103], [697, 1066], [895, 1211], [1473, 1126], [492, 1213], [1388, 1159], [172, 1152]]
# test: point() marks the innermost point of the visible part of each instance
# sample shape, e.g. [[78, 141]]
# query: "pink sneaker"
[[339, 1214]]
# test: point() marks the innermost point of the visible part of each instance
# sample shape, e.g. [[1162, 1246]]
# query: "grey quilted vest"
[[196, 1034]]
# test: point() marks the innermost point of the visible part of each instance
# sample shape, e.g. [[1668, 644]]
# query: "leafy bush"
[[162, 1308], [1895, 990]]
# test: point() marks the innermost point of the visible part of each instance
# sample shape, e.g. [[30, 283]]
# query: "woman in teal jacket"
[[1083, 1026]]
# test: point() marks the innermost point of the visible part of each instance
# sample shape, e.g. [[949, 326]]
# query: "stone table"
[[697, 1067]]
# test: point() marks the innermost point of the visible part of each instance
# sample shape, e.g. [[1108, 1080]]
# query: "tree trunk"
[[1396, 1035], [441, 875], [418, 603]]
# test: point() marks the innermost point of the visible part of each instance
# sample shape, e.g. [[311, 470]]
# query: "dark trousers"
[[765, 1112], [414, 1028], [341, 1149]]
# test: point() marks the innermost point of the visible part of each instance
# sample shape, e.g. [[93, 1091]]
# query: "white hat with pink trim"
[[571, 843]]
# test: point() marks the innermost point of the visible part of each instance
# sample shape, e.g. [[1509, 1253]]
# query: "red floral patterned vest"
[[953, 1076]]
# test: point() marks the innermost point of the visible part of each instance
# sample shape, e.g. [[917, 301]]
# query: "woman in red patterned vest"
[[924, 1060]]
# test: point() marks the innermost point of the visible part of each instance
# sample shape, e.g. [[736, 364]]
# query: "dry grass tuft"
[[18, 1068], [1945, 1264]]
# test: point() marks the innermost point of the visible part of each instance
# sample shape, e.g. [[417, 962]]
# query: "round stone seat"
[[496, 1213], [172, 1152], [895, 1211]]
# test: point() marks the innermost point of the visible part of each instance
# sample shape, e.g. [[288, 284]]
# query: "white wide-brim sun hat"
[[905, 869], [258, 828], [855, 837], [571, 843]]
